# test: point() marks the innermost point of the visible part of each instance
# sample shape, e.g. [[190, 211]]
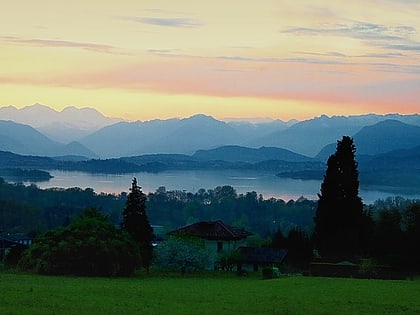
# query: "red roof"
[[213, 230]]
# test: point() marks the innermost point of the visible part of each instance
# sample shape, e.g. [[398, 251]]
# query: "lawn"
[[157, 293]]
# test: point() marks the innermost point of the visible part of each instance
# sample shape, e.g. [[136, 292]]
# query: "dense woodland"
[[395, 224], [28, 209]]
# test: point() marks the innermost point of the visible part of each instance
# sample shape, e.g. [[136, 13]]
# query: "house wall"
[[226, 245], [214, 247]]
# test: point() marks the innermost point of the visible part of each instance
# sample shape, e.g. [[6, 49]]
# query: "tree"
[[278, 240], [89, 246], [340, 209], [299, 248], [412, 223], [389, 237], [136, 223]]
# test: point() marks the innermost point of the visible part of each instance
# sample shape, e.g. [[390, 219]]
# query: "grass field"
[[157, 293]]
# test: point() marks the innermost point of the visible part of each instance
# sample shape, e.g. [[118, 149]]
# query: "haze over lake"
[[266, 184]]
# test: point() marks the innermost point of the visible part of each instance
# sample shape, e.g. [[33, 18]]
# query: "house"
[[8, 240], [260, 257], [217, 236]]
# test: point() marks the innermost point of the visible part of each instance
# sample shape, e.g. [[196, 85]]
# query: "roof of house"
[[263, 255], [8, 239], [212, 230]]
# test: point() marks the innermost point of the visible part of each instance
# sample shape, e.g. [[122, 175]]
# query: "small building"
[[260, 257], [217, 236], [9, 240]]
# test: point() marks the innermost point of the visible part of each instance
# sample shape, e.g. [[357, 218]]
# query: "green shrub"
[[90, 245]]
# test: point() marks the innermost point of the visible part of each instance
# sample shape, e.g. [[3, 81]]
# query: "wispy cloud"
[[381, 55], [387, 55], [58, 43], [165, 22], [327, 54], [405, 47], [303, 58], [359, 30], [396, 38]]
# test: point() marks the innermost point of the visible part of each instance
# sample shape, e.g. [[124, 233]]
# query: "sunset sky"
[[283, 59]]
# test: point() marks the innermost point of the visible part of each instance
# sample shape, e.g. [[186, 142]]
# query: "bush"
[[14, 255], [90, 246], [229, 259], [183, 253]]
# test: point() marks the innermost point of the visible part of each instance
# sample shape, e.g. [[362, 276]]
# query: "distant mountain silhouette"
[[398, 168], [250, 155], [23, 139], [115, 138], [66, 126], [382, 137], [310, 136], [386, 136], [194, 133], [403, 159], [184, 136], [253, 131], [200, 132]]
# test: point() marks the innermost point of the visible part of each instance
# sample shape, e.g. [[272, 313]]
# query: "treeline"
[[29, 209], [250, 211], [25, 175], [394, 230]]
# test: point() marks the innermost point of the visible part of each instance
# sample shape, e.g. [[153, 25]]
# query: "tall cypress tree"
[[136, 223], [339, 216]]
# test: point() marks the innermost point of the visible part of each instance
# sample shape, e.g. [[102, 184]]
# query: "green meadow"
[[158, 293]]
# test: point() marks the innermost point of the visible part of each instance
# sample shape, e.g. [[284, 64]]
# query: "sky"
[[279, 59]]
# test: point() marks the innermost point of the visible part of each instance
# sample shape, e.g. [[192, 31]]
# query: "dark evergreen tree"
[[339, 216], [299, 248], [278, 240], [136, 223]]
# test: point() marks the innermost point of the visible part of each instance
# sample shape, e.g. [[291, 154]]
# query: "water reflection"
[[266, 184]]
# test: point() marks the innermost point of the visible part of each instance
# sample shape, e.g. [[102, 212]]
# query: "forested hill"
[[243, 154], [276, 160]]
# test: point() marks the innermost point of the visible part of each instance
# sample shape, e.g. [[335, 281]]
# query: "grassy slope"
[[32, 294]]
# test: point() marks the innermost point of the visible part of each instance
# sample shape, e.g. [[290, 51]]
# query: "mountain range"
[[387, 146], [39, 130], [382, 137], [23, 139], [71, 124]]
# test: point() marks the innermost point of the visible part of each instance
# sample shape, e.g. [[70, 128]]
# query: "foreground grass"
[[205, 294]]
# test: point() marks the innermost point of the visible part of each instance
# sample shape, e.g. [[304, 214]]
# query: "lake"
[[266, 184]]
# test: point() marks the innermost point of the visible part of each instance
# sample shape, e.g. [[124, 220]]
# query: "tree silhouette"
[[339, 216], [136, 223]]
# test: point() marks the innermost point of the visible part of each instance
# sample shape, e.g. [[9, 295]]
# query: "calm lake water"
[[266, 184]]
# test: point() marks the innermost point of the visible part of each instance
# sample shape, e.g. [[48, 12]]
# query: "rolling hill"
[[249, 155], [385, 136]]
